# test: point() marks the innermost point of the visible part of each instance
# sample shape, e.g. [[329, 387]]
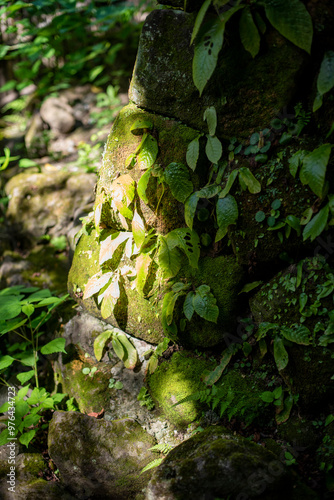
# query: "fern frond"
[[152, 465], [162, 448], [201, 396]]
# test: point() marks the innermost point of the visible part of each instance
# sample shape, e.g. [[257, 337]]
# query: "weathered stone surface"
[[246, 93], [45, 202], [99, 459], [58, 115], [214, 464], [309, 371]]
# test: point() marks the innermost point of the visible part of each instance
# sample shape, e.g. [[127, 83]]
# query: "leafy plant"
[[163, 448], [122, 346], [325, 81], [145, 399], [154, 359], [115, 384]]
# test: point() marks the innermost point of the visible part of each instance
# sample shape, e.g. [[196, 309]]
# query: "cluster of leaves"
[[24, 310], [275, 223], [289, 17], [283, 405], [163, 448], [122, 346], [154, 359], [43, 31], [145, 399]]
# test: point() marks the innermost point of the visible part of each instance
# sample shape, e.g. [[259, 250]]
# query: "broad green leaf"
[[293, 222], [122, 193], [249, 34], [306, 216], [143, 262], [199, 19], [292, 20], [210, 116], [118, 347], [213, 149], [148, 153], [316, 225], [170, 306], [188, 307], [210, 378], [188, 241], [56, 345], [138, 229], [231, 178], [227, 214], [280, 354], [313, 170], [209, 191], [317, 103], [250, 286], [10, 306], [130, 353], [6, 361], [298, 334], [190, 209], [193, 153], [100, 342], [285, 413], [138, 126], [264, 328], [111, 243], [39, 295], [178, 179], [205, 304], [110, 297], [27, 437], [142, 185], [169, 259], [267, 396], [325, 81], [25, 376], [295, 161], [26, 358], [28, 310], [206, 54], [251, 182], [95, 283]]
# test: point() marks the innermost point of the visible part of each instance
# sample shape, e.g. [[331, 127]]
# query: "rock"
[[162, 78], [214, 464], [99, 459], [58, 115], [29, 469], [44, 203], [295, 300]]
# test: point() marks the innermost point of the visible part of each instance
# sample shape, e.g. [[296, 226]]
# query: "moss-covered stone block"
[[247, 93], [175, 379], [99, 459]]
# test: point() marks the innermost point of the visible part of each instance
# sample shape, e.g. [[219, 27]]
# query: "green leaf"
[[130, 161], [188, 307], [138, 229], [325, 81], [227, 213], [285, 413], [206, 54], [143, 262], [292, 20], [100, 342], [6, 361], [188, 241], [110, 298], [28, 310], [170, 306], [280, 354], [193, 153], [209, 191], [251, 182], [210, 116], [108, 247], [56, 345], [25, 376], [298, 334], [178, 179], [138, 126], [317, 103], [27, 437], [142, 185], [190, 209], [130, 353], [118, 347], [295, 161], [316, 225], [148, 152], [249, 34], [205, 304], [260, 216], [155, 463], [199, 19], [267, 396], [10, 306], [250, 286], [264, 328], [231, 178], [169, 259], [213, 149], [210, 378], [313, 170]]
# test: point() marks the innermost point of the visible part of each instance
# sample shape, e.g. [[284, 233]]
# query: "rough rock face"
[[214, 464], [162, 79], [58, 115], [99, 459]]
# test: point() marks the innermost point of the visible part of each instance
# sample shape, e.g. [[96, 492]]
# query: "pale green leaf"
[[28, 310], [110, 297], [249, 34], [213, 149], [251, 182], [23, 377], [143, 262], [325, 81], [6, 361], [138, 229], [169, 259], [199, 19], [188, 307], [188, 241], [111, 243], [210, 116], [148, 152], [205, 304], [27, 437], [56, 345], [100, 342], [193, 153], [178, 179], [316, 225], [155, 463], [190, 209], [231, 178], [313, 170], [292, 20], [280, 354], [130, 353], [142, 185], [227, 214], [139, 125]]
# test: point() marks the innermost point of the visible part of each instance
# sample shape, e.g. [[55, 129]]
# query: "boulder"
[[213, 464], [57, 113], [98, 459]]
